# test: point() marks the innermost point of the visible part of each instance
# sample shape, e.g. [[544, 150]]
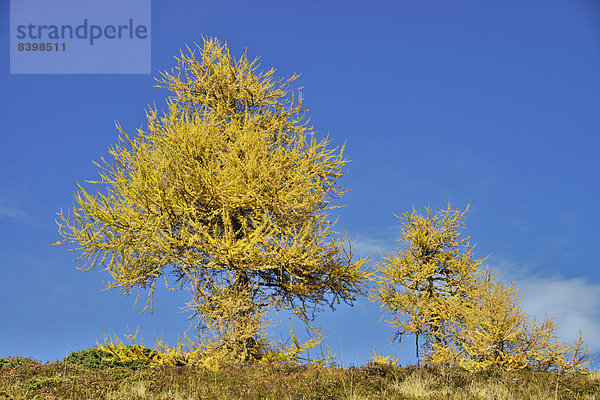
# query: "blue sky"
[[491, 103]]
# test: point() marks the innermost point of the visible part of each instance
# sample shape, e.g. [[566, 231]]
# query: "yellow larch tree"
[[434, 287], [485, 329], [491, 329], [416, 283], [228, 192]]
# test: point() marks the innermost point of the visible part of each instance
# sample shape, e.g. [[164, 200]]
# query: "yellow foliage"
[[381, 359], [485, 329], [163, 355], [434, 288], [229, 192], [490, 329], [418, 280], [293, 352], [187, 352]]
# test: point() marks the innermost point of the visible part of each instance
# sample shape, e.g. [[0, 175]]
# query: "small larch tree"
[[229, 193], [484, 328], [491, 329], [435, 288], [416, 283]]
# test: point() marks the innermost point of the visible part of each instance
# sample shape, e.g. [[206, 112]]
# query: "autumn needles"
[[435, 289], [229, 193]]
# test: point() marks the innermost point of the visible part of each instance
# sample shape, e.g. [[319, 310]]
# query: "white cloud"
[[8, 208], [574, 301], [7, 212], [371, 243], [370, 247]]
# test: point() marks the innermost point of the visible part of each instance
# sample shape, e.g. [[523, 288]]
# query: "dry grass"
[[490, 390], [415, 386], [28, 379]]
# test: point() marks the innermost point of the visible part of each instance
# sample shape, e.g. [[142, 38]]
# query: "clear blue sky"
[[491, 103]]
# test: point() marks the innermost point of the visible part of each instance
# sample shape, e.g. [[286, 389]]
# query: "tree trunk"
[[417, 348]]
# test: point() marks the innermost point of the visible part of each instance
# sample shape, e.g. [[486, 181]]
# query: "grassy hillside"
[[24, 378]]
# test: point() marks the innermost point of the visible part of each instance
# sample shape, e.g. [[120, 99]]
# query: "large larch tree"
[[229, 192]]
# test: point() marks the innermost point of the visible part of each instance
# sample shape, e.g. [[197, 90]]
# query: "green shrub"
[[10, 362], [38, 383], [97, 359]]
